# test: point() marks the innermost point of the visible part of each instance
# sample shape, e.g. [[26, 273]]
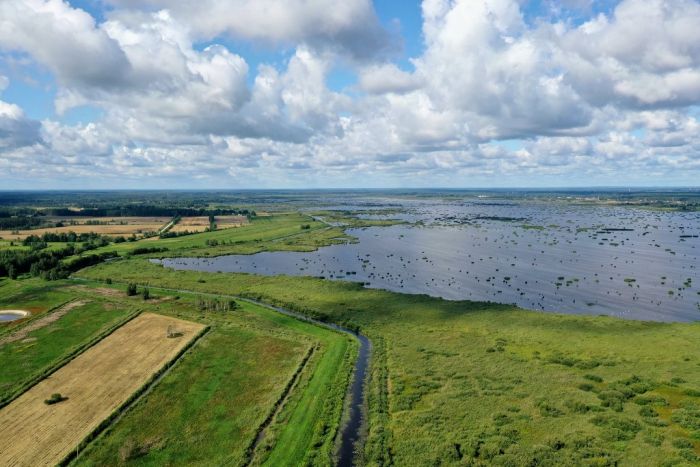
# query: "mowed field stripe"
[[96, 383]]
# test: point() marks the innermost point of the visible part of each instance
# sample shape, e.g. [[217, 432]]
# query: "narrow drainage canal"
[[351, 432]]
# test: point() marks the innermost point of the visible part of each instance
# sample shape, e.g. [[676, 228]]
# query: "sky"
[[233, 94]]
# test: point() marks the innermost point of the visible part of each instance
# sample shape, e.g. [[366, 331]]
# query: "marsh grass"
[[554, 389]]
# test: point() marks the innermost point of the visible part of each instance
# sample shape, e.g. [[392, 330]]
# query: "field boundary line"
[[67, 358], [132, 399], [278, 405]]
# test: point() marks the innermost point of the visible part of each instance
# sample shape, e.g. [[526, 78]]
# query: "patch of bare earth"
[[104, 291], [41, 322]]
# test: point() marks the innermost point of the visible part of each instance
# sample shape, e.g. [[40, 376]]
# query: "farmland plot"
[[95, 384]]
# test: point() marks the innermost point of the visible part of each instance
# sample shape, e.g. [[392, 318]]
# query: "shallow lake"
[[545, 256], [10, 316]]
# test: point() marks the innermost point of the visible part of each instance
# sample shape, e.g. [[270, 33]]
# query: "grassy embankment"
[[211, 405], [281, 231], [457, 382], [278, 232]]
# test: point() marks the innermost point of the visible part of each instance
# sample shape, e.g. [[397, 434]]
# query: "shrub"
[[612, 399], [595, 378], [688, 417], [682, 443], [146, 250], [131, 289], [548, 410], [689, 455], [146, 294], [55, 399], [577, 407], [616, 428], [653, 438], [131, 450], [657, 401]]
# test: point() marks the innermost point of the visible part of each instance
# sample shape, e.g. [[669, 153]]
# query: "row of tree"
[[147, 210], [212, 304], [48, 264], [66, 237]]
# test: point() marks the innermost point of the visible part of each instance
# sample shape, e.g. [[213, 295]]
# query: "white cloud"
[[350, 26], [646, 55], [609, 96], [386, 78], [16, 130], [64, 39]]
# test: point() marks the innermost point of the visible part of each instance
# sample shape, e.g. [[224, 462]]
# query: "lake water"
[[545, 256], [10, 316]]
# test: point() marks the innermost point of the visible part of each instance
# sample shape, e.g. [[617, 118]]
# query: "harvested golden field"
[[116, 226], [224, 222], [201, 223], [191, 224], [95, 384]]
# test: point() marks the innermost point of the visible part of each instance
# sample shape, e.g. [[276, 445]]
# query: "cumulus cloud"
[[386, 78], [647, 54], [16, 130], [610, 94], [64, 39], [350, 26]]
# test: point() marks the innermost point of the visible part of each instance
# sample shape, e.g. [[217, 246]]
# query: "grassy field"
[[484, 384], [279, 232], [212, 403], [228, 383], [95, 383], [209, 406], [34, 295]]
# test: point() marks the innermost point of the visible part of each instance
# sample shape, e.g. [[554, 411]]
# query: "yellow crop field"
[[116, 226], [201, 223], [95, 384], [192, 224], [224, 222]]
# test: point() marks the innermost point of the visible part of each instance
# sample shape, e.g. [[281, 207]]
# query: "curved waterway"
[[351, 432]]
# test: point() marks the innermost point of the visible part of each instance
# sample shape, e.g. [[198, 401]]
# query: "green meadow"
[[485, 384], [279, 232], [229, 390], [211, 405]]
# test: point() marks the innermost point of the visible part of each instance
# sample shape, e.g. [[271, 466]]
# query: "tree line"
[[147, 210], [48, 264]]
